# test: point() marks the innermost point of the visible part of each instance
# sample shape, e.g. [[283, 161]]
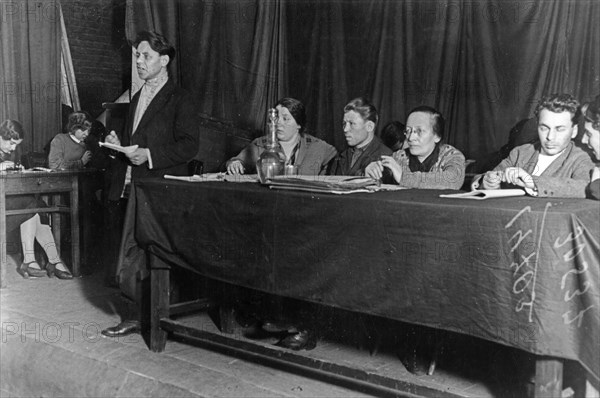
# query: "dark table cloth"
[[523, 272]]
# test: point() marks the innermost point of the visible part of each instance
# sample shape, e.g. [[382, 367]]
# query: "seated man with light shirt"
[[551, 167]]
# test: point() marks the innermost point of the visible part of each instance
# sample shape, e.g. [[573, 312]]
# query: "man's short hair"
[[591, 112], [438, 120], [157, 42], [559, 103], [79, 121], [364, 108]]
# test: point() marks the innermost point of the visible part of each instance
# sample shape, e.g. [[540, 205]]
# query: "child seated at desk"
[[68, 151], [32, 227]]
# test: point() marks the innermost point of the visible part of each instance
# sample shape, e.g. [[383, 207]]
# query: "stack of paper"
[[119, 148], [208, 177], [324, 184]]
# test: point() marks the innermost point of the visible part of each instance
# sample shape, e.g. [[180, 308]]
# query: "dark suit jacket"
[[169, 128], [373, 151], [593, 190]]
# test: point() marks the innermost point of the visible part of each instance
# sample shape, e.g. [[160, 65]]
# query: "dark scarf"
[[292, 159], [415, 165]]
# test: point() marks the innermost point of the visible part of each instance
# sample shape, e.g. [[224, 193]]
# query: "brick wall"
[[99, 49]]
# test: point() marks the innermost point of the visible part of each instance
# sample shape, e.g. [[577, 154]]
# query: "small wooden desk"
[[50, 184]]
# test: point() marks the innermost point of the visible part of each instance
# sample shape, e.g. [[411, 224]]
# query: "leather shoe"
[[123, 329], [53, 271], [28, 272], [245, 319], [416, 363], [303, 340]]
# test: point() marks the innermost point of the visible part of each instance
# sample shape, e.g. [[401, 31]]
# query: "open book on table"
[[481, 194]]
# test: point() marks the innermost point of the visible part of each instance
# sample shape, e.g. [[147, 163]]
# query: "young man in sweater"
[[68, 151]]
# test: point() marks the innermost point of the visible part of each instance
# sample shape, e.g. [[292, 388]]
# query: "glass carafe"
[[271, 161]]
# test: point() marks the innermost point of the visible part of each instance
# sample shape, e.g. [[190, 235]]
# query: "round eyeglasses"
[[417, 130]]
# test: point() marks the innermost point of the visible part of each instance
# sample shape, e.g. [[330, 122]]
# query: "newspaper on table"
[[328, 184], [209, 177]]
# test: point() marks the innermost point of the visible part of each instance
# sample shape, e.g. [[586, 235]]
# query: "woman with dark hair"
[[309, 154], [32, 227], [591, 137], [68, 151], [392, 135]]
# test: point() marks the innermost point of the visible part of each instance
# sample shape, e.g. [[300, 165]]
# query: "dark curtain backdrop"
[[483, 64], [230, 54], [30, 69]]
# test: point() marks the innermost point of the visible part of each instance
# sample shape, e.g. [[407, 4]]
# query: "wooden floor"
[[51, 346]]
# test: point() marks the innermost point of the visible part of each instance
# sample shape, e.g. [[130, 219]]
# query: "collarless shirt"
[[76, 140], [544, 161], [147, 94]]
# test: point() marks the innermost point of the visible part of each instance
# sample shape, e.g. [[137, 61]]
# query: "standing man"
[[163, 123], [360, 121]]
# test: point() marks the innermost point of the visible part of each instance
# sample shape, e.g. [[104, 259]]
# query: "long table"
[[522, 272]]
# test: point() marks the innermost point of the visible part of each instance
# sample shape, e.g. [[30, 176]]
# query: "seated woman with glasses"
[[309, 154], [32, 227], [426, 163]]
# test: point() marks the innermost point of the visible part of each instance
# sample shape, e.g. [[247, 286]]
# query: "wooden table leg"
[[74, 206], [3, 244], [159, 302], [226, 318], [548, 377], [55, 221]]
